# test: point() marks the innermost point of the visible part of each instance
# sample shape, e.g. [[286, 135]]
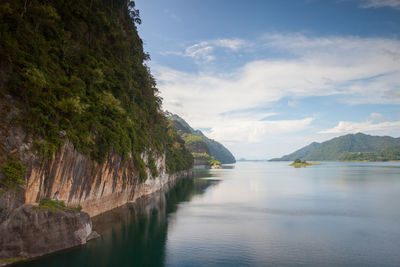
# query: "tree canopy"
[[78, 67]]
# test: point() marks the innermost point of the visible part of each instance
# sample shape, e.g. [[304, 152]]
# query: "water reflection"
[[262, 214], [134, 234]]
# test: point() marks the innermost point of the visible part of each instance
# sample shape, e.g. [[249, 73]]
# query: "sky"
[[266, 78]]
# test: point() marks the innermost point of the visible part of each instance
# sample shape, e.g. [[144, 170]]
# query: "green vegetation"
[[201, 156], [12, 174], [297, 163], [193, 139], [220, 152], [178, 157], [77, 69], [299, 154], [12, 260], [351, 147], [390, 155], [196, 141], [56, 205], [152, 166], [206, 158], [214, 162]]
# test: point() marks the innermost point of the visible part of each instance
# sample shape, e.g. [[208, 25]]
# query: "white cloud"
[[381, 3], [233, 44], [203, 52], [200, 51], [253, 131], [359, 70], [385, 128], [376, 117]]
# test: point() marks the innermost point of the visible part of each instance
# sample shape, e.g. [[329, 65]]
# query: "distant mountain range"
[[198, 143], [350, 147]]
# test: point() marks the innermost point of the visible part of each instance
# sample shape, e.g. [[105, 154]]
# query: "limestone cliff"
[[80, 119], [71, 177]]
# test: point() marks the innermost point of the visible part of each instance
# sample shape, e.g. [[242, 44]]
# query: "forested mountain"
[[195, 139], [76, 70], [299, 154], [81, 125], [350, 147]]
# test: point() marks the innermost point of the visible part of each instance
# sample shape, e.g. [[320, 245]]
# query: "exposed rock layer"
[[73, 178], [68, 176]]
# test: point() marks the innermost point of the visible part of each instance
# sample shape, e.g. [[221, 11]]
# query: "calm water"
[[256, 214]]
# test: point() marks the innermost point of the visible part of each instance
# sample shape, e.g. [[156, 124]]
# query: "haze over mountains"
[[355, 147]]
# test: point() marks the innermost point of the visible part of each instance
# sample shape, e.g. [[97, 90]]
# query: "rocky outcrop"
[[27, 231], [73, 177], [67, 176], [76, 180], [31, 232]]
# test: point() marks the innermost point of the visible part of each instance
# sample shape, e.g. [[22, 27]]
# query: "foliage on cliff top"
[[57, 205], [78, 70]]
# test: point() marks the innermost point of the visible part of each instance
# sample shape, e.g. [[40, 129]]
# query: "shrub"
[[12, 174], [57, 205], [152, 166], [214, 162]]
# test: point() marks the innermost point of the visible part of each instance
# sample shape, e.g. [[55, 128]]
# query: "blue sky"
[[268, 77]]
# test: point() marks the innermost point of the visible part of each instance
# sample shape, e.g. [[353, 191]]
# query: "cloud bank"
[[356, 70], [365, 127]]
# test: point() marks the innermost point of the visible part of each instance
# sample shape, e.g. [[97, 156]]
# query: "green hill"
[[299, 154], [355, 147], [197, 142]]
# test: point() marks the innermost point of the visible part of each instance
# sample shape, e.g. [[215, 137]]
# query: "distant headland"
[[350, 147]]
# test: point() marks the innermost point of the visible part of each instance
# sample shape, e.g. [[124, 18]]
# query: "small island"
[[297, 163]]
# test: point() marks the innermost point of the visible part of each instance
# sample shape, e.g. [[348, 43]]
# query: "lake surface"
[[255, 214]]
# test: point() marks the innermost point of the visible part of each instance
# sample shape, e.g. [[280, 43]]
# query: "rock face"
[[31, 232], [71, 177], [27, 232]]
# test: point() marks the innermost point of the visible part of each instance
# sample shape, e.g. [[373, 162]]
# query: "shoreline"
[[186, 174]]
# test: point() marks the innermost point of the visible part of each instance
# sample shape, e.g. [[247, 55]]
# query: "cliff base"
[[30, 232]]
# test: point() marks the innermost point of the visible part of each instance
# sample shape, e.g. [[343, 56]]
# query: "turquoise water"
[[255, 214]]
